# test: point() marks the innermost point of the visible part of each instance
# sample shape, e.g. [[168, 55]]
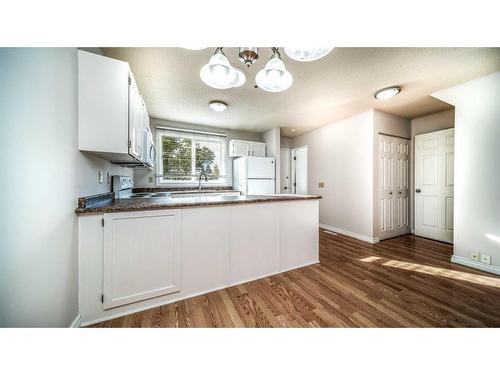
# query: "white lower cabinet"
[[143, 259], [142, 256], [299, 223], [205, 249], [255, 249]]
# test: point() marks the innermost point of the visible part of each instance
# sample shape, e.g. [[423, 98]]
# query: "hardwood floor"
[[403, 282]]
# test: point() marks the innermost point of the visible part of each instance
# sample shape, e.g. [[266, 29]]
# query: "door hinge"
[[294, 184], [129, 81], [102, 222], [102, 298], [129, 143]]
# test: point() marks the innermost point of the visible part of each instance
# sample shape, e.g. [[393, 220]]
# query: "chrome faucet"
[[199, 179]]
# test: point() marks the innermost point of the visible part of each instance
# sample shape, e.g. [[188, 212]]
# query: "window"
[[182, 155]]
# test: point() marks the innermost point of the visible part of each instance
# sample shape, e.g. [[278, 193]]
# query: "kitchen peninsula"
[[139, 253]]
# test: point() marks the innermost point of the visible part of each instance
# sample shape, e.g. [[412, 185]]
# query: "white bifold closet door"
[[434, 175], [393, 186]]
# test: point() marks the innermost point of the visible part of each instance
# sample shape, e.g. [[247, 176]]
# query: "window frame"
[[161, 180]]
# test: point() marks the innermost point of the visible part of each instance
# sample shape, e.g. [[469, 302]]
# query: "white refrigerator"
[[253, 175]]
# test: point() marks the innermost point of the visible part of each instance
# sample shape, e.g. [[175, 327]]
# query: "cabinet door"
[[136, 120], [239, 148], [258, 149], [102, 104], [141, 256]]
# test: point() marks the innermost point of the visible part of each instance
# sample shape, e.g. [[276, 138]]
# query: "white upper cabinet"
[[258, 149], [239, 148], [136, 120], [110, 109], [246, 148]]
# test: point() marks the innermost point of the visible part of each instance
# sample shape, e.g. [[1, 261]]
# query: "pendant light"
[[219, 73], [274, 77], [307, 54]]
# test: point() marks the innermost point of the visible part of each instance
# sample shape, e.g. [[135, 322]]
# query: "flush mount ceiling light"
[[387, 93], [219, 73], [217, 106], [307, 54], [274, 77]]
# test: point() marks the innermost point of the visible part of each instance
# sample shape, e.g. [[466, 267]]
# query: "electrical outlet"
[[321, 184], [485, 258], [100, 177], [474, 255], [150, 179]]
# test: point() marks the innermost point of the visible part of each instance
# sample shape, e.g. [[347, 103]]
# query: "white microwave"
[[149, 149]]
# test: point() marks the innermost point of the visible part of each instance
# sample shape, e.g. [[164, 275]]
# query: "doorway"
[[393, 186], [299, 170], [285, 169], [434, 175]]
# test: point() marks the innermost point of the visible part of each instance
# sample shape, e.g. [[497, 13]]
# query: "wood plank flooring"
[[403, 282]]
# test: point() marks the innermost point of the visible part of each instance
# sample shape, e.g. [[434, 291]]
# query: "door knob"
[[390, 193], [418, 191]]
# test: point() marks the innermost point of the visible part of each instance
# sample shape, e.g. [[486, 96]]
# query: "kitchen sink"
[[196, 194]]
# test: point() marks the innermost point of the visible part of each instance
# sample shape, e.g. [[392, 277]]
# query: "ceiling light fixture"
[[274, 77], [387, 93], [248, 55], [219, 73], [217, 106], [307, 54]]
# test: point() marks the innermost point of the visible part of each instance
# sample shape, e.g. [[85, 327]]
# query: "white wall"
[[272, 139], [142, 176], [421, 125], [42, 176], [391, 125], [477, 159], [341, 156], [285, 142]]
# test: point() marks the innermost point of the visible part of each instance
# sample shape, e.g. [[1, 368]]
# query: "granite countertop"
[[141, 204]]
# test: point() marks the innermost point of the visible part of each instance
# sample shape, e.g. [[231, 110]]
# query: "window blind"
[[183, 154]]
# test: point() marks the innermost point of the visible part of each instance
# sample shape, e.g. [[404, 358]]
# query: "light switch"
[[321, 184]]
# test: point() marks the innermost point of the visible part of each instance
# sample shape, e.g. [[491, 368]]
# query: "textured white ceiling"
[[337, 86]]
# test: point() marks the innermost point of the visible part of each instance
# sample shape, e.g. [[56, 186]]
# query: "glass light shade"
[[274, 77], [240, 78], [219, 73], [387, 93], [307, 54]]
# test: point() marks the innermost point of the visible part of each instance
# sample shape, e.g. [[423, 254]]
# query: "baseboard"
[[473, 264], [77, 323], [358, 236]]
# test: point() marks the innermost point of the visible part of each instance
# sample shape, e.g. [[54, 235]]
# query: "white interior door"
[[285, 170], [393, 186], [434, 174], [299, 170]]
